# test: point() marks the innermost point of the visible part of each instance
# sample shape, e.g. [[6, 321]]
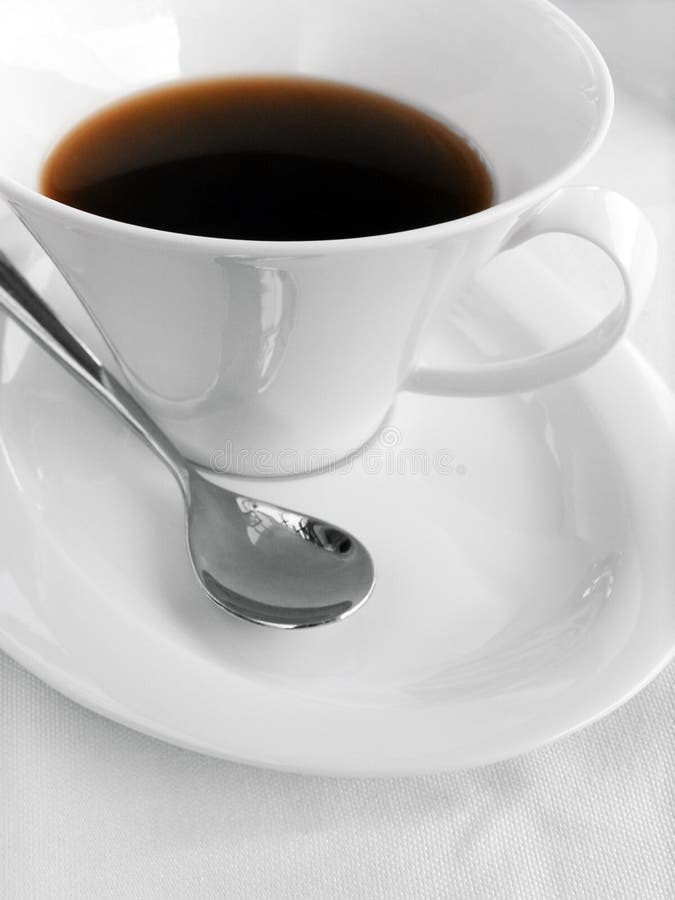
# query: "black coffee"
[[267, 158]]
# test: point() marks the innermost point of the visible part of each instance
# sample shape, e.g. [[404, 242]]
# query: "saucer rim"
[[77, 689]]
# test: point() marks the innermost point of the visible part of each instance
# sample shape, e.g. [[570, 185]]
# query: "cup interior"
[[517, 78]]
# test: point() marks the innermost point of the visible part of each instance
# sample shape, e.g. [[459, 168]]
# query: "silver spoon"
[[260, 562]]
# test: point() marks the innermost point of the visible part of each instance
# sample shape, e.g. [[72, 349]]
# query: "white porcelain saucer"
[[522, 548]]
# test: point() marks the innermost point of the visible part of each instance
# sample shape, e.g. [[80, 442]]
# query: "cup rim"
[[14, 191]]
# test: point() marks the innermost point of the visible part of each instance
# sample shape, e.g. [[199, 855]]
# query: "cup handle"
[[606, 219]]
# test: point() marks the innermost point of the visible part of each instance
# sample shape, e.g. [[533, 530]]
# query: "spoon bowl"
[[272, 565]]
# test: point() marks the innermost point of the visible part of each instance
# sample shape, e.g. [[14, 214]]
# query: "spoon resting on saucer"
[[260, 562]]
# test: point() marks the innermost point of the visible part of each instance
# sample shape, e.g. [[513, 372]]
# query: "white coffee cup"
[[304, 345]]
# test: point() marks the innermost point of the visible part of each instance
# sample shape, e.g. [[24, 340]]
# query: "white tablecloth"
[[90, 809]]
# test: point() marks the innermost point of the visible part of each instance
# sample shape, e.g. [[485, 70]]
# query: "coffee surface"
[[267, 158]]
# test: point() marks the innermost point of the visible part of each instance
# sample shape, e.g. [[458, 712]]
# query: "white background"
[[90, 809]]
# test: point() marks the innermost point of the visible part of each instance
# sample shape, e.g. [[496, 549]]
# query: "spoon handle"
[[24, 305]]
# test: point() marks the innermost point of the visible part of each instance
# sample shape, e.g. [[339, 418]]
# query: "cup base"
[[289, 464]]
